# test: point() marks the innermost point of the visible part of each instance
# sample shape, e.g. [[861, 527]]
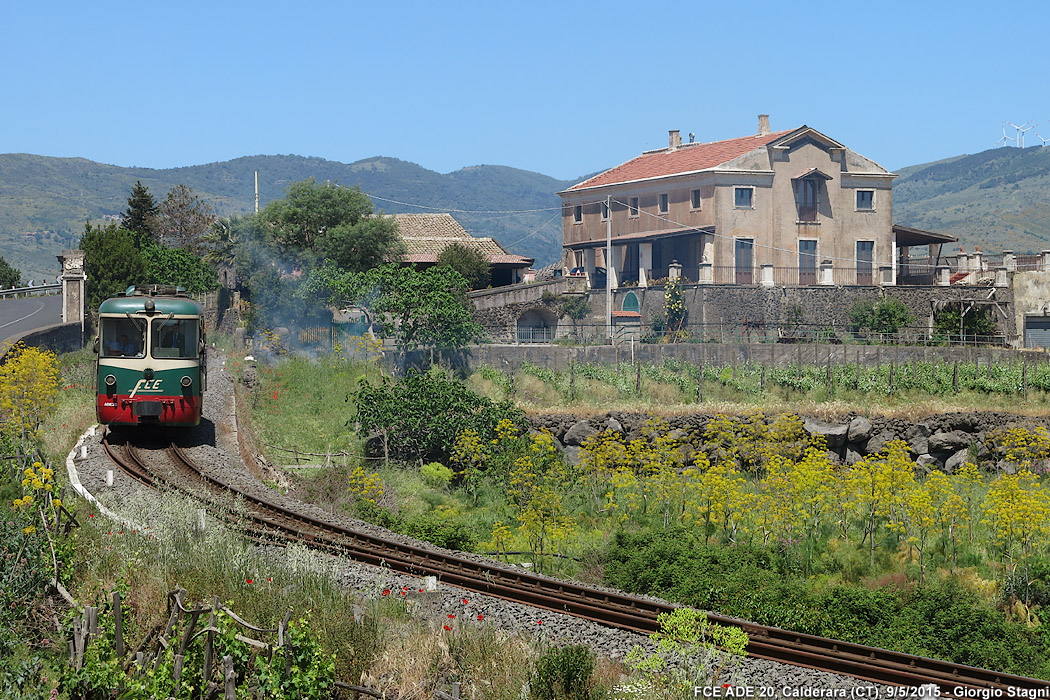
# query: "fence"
[[181, 631]]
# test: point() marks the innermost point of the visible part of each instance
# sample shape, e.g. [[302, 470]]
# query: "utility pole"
[[256, 191], [608, 267]]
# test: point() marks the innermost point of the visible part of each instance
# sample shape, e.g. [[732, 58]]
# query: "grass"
[[671, 389], [303, 405]]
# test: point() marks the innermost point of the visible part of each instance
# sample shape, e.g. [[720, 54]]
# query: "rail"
[[613, 609]]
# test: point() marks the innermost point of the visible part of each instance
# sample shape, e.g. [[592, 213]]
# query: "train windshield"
[[123, 337], [174, 338]]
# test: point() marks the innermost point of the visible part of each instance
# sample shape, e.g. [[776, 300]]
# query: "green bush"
[[423, 413], [563, 674], [940, 619], [436, 475], [883, 316]]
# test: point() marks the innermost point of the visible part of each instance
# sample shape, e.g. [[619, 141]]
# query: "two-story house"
[[777, 207]]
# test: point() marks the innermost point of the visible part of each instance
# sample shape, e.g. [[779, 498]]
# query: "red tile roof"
[[689, 157]]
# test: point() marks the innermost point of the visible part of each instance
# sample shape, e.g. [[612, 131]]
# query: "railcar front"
[[150, 367]]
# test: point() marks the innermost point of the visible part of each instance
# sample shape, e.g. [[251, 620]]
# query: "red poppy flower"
[[451, 617], [386, 591], [420, 590], [480, 616], [539, 622], [269, 579], [447, 628], [247, 580], [91, 515], [404, 592], [466, 602]]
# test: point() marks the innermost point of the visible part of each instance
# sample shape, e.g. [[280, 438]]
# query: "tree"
[[328, 220], [576, 307], [370, 242], [140, 218], [111, 260], [184, 220], [468, 262], [428, 308], [178, 266], [9, 276], [976, 322]]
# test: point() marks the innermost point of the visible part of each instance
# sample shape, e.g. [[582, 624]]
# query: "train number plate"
[[147, 408]]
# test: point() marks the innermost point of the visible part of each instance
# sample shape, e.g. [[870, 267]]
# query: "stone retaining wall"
[[940, 442]]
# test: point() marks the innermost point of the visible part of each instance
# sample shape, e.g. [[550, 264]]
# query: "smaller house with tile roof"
[[790, 207], [427, 235]]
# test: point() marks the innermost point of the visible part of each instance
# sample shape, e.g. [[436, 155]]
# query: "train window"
[[174, 338], [122, 337]]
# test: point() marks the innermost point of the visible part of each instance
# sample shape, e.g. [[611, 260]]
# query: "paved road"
[[21, 315]]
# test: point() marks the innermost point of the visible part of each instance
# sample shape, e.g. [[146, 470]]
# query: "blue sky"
[[561, 88]]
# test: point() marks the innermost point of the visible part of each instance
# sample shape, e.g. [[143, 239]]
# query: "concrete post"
[[944, 276], [827, 273], [886, 276], [964, 262], [74, 286], [977, 261], [1044, 260], [674, 270], [766, 275], [1001, 277], [706, 273], [1009, 261]]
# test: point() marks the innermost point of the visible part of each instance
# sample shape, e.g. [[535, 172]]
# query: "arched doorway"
[[536, 326]]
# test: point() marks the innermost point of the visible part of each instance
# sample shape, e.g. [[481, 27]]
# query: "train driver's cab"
[[122, 337]]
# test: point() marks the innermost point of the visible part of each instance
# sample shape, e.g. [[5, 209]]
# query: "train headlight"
[[186, 381], [111, 380]]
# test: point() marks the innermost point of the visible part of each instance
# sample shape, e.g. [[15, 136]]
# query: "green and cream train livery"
[[151, 368]]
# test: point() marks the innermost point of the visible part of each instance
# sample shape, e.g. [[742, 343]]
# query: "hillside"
[[996, 199], [44, 201]]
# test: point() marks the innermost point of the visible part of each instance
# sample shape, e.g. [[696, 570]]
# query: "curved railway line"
[[263, 518]]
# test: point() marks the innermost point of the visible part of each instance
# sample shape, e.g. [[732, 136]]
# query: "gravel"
[[215, 446]]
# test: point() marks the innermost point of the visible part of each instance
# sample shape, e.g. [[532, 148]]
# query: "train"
[[150, 361]]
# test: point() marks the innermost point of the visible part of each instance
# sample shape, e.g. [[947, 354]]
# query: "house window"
[[865, 200], [807, 262], [865, 258], [806, 198], [605, 211], [694, 198], [634, 206], [743, 197], [663, 204], [577, 213]]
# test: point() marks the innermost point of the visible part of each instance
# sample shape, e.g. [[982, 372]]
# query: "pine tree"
[[141, 215]]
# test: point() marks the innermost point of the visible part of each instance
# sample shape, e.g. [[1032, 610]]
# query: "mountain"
[[997, 199], [44, 202]]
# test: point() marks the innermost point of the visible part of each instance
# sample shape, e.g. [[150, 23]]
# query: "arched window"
[[630, 302]]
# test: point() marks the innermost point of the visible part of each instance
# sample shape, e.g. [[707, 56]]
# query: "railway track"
[[263, 518]]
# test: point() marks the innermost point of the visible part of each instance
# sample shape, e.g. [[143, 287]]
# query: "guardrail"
[[26, 291]]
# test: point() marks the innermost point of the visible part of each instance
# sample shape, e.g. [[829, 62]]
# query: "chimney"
[[674, 139], [763, 124]]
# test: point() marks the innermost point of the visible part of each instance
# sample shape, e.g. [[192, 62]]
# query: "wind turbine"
[[1019, 139], [1041, 138], [1002, 142]]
